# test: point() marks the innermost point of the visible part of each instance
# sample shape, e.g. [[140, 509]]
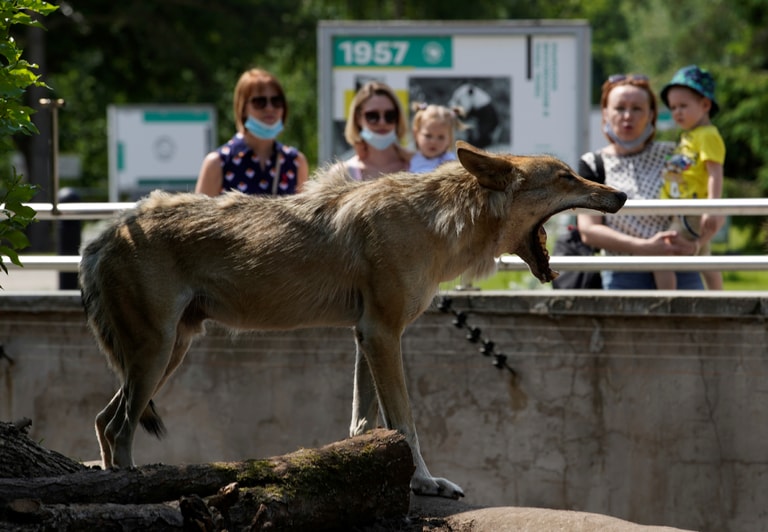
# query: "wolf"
[[364, 255]]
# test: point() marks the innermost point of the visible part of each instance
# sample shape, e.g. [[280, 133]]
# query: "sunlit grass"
[[752, 280], [502, 280], [739, 239]]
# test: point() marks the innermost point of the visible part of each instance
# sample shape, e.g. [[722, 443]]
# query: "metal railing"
[[736, 207]]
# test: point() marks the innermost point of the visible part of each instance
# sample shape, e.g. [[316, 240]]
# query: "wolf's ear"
[[491, 171]]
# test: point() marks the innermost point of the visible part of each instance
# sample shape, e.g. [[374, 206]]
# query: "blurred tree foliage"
[[192, 51], [16, 76]]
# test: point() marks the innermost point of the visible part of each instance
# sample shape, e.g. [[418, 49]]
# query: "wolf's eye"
[[564, 174]]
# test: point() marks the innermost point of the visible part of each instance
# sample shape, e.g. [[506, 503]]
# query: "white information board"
[[157, 146], [523, 84]]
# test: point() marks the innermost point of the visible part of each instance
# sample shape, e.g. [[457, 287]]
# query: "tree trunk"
[[342, 485]]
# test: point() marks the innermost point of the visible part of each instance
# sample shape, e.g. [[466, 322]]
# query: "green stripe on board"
[[177, 116], [161, 182], [120, 156]]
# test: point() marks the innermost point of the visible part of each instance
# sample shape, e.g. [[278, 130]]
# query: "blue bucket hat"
[[694, 78]]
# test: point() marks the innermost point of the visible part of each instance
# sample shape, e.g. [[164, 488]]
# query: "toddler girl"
[[433, 129]]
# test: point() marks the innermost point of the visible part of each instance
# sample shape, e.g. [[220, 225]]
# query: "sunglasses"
[[616, 78], [260, 102], [374, 117]]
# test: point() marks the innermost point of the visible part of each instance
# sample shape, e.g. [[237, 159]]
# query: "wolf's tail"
[[151, 421]]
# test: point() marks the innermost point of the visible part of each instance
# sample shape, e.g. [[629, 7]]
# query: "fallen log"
[[20, 457], [342, 485], [33, 516]]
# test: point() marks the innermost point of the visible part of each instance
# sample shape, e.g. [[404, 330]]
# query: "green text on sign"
[[397, 52]]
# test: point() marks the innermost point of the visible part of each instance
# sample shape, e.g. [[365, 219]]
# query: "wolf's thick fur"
[[362, 255]]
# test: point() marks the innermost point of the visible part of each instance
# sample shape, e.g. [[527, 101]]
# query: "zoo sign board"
[[157, 146], [524, 85]]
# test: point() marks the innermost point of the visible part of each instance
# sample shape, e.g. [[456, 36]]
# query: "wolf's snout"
[[621, 198], [612, 202]]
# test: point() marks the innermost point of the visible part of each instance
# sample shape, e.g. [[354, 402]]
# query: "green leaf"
[[10, 52], [18, 195], [26, 212], [22, 18], [11, 254], [17, 239], [40, 7]]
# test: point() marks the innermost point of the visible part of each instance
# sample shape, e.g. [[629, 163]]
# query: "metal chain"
[[474, 334]]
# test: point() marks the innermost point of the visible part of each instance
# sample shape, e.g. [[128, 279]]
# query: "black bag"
[[570, 244]]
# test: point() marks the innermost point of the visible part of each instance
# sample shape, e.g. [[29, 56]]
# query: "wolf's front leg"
[[422, 483], [365, 405], [383, 354]]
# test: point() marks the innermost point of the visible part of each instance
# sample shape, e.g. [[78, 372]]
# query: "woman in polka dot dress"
[[253, 161]]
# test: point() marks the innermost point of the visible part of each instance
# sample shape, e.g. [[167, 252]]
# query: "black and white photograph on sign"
[[486, 102]]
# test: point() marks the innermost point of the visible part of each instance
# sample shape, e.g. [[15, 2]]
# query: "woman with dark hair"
[[632, 162], [253, 161]]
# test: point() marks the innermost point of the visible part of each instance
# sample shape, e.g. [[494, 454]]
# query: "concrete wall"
[[651, 408]]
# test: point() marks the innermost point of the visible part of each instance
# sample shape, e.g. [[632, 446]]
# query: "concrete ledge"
[[614, 303], [534, 302]]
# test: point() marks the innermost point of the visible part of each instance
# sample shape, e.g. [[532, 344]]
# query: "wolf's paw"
[[436, 487]]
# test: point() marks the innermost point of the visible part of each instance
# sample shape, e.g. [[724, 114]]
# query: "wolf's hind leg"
[[148, 363], [185, 332], [150, 420], [102, 421], [145, 371]]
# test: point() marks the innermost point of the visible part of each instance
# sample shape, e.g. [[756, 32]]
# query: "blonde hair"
[[370, 89], [250, 80], [437, 113]]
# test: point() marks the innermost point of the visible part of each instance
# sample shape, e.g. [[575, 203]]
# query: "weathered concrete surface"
[[646, 407]]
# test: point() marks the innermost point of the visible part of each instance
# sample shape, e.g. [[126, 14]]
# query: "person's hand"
[[710, 225], [671, 243]]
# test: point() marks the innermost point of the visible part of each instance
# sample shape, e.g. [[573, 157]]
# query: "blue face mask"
[[262, 130], [377, 140], [631, 145]]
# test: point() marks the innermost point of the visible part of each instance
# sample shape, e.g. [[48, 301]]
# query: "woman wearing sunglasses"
[[253, 161], [632, 162], [375, 129]]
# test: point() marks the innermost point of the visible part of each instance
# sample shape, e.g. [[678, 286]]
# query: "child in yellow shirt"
[[695, 170]]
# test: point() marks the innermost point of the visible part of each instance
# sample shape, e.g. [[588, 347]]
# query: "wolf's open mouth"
[[533, 249], [542, 271], [534, 253]]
